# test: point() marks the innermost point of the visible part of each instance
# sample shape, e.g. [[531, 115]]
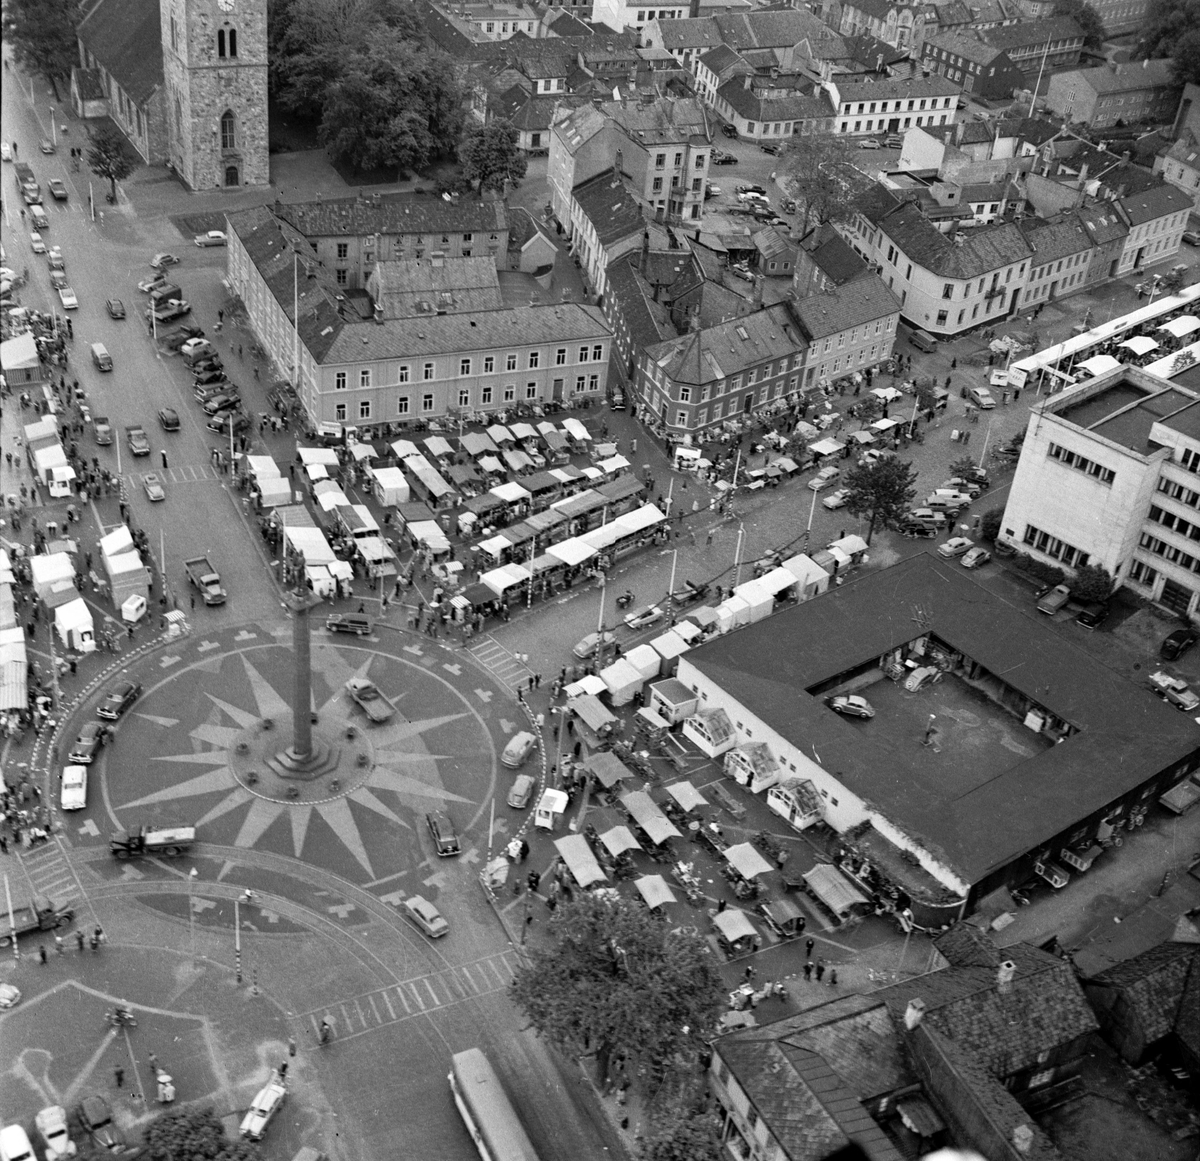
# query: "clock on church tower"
[[215, 72]]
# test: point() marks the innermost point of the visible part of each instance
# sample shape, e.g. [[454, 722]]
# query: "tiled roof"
[[861, 301], [878, 9], [890, 88], [1051, 241], [454, 37], [1153, 984], [771, 243], [1033, 32], [613, 211], [565, 23], [125, 37], [968, 47], [662, 122], [1186, 150], [971, 254], [649, 322], [1155, 203], [1187, 1022], [966, 945], [400, 213], [794, 107], [1102, 222], [722, 57], [1125, 735], [420, 287], [778, 28], [1130, 77], [700, 357], [1043, 1008], [835, 257], [867, 50], [90, 84], [700, 32], [580, 126]]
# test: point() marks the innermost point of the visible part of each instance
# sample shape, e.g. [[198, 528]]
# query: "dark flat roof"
[[1108, 414], [1126, 734]]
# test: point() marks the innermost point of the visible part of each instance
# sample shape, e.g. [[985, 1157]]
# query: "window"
[[174, 35], [593, 382], [678, 160], [464, 366], [657, 185], [531, 390], [510, 362], [228, 130], [700, 161], [403, 376], [343, 249], [535, 360], [660, 160], [941, 318], [489, 364], [402, 405], [510, 393], [580, 384], [339, 413], [364, 409], [560, 357], [1080, 463], [948, 290], [427, 402], [364, 377], [427, 372], [339, 381], [598, 353], [486, 395], [464, 397], [583, 354], [233, 42], [696, 184]]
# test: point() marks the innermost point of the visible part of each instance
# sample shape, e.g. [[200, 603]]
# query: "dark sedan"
[[90, 739], [1177, 643], [95, 1117], [118, 700], [203, 378], [169, 418], [115, 308], [222, 403]]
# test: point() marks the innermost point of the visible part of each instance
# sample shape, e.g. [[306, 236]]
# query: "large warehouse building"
[[1018, 757]]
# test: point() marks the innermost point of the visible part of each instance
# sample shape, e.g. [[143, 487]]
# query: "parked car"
[[87, 745], [10, 996], [851, 705], [824, 479], [981, 397], [5, 151], [720, 158], [1191, 237], [58, 279], [836, 499], [36, 242], [1174, 690], [14, 1144], [956, 546], [52, 1128], [445, 837], [221, 403], [1177, 643], [46, 145], [168, 417], [57, 188], [74, 787], [211, 238], [204, 378], [644, 617], [118, 700], [976, 558], [95, 1116], [115, 308], [868, 143], [757, 189], [263, 1108], [425, 915], [586, 646], [1092, 615], [1050, 600], [237, 421], [712, 191], [729, 130], [153, 487], [162, 261], [54, 259], [922, 676], [349, 623], [68, 299], [519, 747], [774, 148], [148, 284], [522, 791]]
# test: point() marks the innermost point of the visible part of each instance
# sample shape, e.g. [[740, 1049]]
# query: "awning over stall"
[[580, 861], [1140, 344], [476, 444], [687, 795], [734, 924], [647, 815], [1183, 325], [619, 840], [607, 768], [654, 890], [1098, 365], [748, 863], [829, 885]]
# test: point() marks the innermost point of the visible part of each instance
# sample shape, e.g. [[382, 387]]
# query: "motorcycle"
[[121, 1018], [625, 599]]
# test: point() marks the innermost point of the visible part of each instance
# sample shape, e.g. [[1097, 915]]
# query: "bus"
[[488, 1113]]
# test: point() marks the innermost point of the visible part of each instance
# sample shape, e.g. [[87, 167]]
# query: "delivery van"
[[101, 357]]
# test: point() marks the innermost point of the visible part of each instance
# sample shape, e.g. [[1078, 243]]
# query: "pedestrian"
[[833, 977], [291, 1046], [193, 601], [749, 971], [820, 969], [808, 969], [119, 1076], [220, 316], [42, 953], [709, 538], [537, 681], [98, 934], [3, 845], [809, 944], [164, 459], [1016, 394], [79, 939], [283, 1071], [59, 945]]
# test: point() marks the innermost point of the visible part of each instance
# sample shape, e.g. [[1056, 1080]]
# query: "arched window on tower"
[[220, 42], [228, 130], [233, 42]]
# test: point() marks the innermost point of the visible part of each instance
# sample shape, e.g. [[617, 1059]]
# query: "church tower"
[[215, 71]]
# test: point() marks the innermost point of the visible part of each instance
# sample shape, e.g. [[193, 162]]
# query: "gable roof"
[[968, 47], [1052, 240], [752, 104], [864, 300], [1154, 203], [613, 211], [697, 32], [1154, 984], [1033, 32], [836, 258], [413, 287], [125, 37], [398, 213], [889, 88], [1129, 77]]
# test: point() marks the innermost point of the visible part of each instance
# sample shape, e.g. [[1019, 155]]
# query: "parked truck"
[[27, 183], [206, 579], [135, 436], [42, 914], [167, 841], [169, 310]]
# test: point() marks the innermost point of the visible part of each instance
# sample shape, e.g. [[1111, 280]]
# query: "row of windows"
[[488, 396], [1190, 459], [1179, 492], [593, 354], [1081, 463], [399, 240], [1174, 523], [1168, 552], [895, 106], [869, 126], [1049, 545], [955, 59], [1043, 290]]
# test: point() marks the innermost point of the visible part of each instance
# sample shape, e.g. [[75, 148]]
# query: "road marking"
[[205, 646], [341, 910], [455, 669], [415, 650], [417, 996], [245, 635], [167, 662], [507, 726], [132, 874], [89, 828], [484, 695], [166, 723], [436, 998], [401, 997], [395, 898], [387, 1000], [269, 916]]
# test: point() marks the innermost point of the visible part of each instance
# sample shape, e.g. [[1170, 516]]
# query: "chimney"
[[914, 1013], [645, 253], [694, 321], [379, 314], [746, 80], [758, 290], [1004, 976], [959, 130], [1022, 1138], [1083, 172]]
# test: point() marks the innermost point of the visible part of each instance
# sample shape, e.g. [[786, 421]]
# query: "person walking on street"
[[164, 459], [119, 1076], [42, 953], [833, 977], [809, 944], [79, 940], [808, 970], [820, 969]]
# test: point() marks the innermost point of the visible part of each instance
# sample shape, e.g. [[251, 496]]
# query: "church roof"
[[125, 37]]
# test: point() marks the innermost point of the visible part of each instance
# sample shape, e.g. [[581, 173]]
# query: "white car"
[[52, 1125], [74, 787], [10, 996], [644, 617], [982, 398], [956, 546], [5, 151], [586, 646], [69, 301], [212, 238], [148, 284], [263, 1108], [823, 479], [836, 499], [154, 488], [976, 558], [37, 242], [426, 916]]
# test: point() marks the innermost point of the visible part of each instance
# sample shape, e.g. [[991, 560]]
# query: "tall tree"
[[193, 1135], [616, 979], [42, 35], [881, 492], [820, 173], [395, 106], [109, 157], [1172, 29], [1086, 17], [490, 156]]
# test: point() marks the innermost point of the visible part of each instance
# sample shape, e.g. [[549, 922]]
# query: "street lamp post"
[[245, 897], [193, 874]]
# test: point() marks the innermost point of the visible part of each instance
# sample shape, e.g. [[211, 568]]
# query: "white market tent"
[[620, 839], [429, 533], [645, 660], [310, 543], [499, 434], [687, 795], [1140, 344], [51, 570], [746, 860], [390, 486], [318, 455], [261, 467], [734, 924], [612, 466], [1183, 325], [439, 448], [655, 890], [580, 860], [500, 580], [826, 447], [1098, 365], [647, 516], [571, 552], [73, 621], [405, 449], [575, 429], [510, 493]]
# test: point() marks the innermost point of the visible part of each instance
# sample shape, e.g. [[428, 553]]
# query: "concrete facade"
[[215, 75]]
